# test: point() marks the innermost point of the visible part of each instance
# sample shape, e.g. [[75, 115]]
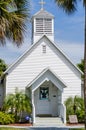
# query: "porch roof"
[[46, 75]]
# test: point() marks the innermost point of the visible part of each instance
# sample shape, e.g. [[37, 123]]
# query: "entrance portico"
[[46, 95], [47, 100]]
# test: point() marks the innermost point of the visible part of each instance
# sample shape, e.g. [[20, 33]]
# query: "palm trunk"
[[85, 68]]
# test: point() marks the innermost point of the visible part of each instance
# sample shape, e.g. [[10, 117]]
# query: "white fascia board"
[[23, 55], [53, 43], [61, 51], [42, 73]]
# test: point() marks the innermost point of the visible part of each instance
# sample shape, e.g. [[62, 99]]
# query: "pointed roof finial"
[[42, 4]]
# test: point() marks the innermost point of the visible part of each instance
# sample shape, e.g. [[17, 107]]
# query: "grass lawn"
[[77, 129], [10, 128]]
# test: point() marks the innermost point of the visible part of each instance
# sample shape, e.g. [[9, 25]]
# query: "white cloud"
[[10, 52], [74, 51]]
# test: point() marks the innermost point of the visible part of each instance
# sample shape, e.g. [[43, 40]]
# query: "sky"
[[69, 33]]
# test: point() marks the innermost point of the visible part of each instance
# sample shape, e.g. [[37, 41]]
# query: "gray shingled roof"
[[42, 14]]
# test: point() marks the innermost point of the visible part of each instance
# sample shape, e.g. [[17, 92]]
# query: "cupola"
[[42, 24]]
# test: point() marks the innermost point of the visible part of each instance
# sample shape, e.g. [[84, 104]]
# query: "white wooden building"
[[44, 72]]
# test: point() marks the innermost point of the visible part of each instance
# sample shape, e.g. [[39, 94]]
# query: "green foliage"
[[13, 16], [81, 65], [10, 128], [6, 118], [69, 6], [76, 129], [17, 104], [75, 106], [3, 66]]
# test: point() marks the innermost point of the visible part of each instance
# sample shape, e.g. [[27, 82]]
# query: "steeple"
[[42, 24]]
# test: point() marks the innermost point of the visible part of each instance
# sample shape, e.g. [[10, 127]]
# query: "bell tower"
[[42, 24]]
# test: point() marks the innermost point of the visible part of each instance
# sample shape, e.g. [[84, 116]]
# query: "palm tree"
[[17, 103], [9, 103], [13, 14], [70, 6]]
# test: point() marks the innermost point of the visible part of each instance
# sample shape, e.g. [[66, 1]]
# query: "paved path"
[[28, 127]]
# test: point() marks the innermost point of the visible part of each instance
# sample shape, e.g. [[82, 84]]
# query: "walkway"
[[45, 127]]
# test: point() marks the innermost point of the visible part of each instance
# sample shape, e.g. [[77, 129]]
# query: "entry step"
[[48, 121]]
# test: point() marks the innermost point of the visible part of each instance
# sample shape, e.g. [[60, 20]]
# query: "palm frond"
[[84, 2], [13, 16], [69, 6]]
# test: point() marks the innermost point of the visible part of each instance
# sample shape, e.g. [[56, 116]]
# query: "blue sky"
[[69, 33]]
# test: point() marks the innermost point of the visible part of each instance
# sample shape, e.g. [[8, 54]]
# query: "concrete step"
[[48, 121]]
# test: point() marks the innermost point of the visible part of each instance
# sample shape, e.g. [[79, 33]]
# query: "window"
[[44, 48], [44, 93]]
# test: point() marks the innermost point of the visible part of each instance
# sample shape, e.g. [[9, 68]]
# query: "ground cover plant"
[[76, 129], [10, 128], [6, 118]]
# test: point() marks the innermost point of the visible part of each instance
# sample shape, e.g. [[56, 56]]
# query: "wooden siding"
[[35, 61]]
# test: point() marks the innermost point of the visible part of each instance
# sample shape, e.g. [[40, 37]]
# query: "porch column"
[[33, 107], [64, 113]]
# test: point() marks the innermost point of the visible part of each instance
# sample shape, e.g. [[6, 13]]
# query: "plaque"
[[73, 119]]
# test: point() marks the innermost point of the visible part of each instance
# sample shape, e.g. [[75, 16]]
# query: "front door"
[[42, 102]]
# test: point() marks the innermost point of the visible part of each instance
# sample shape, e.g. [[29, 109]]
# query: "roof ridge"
[[43, 12], [28, 50]]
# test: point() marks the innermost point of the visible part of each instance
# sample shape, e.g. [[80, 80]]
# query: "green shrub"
[[75, 106], [80, 115], [10, 128], [18, 103], [6, 118]]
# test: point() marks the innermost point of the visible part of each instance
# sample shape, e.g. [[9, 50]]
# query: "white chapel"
[[43, 72]]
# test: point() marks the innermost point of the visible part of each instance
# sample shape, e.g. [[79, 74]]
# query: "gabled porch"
[[47, 100], [46, 96]]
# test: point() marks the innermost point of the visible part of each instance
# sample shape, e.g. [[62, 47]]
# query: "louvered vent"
[[43, 26], [44, 48]]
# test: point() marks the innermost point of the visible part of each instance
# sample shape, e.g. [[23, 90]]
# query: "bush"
[[6, 118], [17, 104], [80, 115], [75, 106]]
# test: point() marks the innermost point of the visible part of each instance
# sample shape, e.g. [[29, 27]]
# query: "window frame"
[[47, 94]]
